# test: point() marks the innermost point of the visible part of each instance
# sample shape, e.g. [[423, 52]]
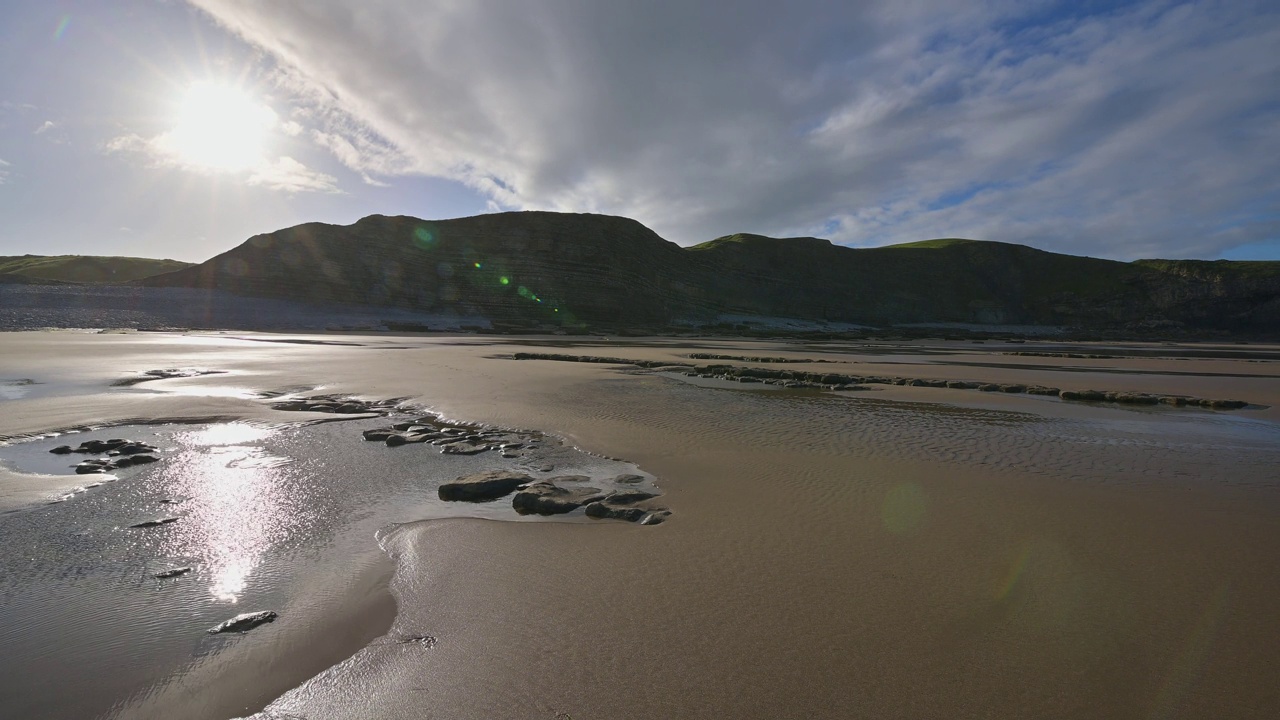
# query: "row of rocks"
[[841, 382], [451, 439], [337, 404], [120, 453], [755, 359], [1074, 356], [650, 364], [165, 375], [552, 497]]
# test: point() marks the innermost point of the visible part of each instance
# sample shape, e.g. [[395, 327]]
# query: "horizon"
[[1101, 129]]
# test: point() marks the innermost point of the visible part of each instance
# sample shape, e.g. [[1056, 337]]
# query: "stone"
[[62, 450], [628, 497], [657, 517], [547, 498], [244, 622], [464, 448], [605, 510], [989, 387], [175, 572], [482, 487], [1013, 388], [379, 433], [154, 523], [627, 479]]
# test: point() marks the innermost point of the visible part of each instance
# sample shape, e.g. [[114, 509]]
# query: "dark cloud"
[[1146, 130]]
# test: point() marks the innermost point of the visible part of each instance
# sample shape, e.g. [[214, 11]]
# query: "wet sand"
[[907, 552]]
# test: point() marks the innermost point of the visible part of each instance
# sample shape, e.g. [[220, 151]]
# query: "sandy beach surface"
[[897, 552]]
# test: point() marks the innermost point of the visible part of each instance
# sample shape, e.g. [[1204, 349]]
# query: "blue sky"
[[1112, 129]]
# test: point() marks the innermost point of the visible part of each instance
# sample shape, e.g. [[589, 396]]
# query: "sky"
[[163, 128]]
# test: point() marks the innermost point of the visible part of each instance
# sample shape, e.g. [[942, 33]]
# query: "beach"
[[893, 552]]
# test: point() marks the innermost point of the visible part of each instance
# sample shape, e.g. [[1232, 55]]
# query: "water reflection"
[[241, 504]]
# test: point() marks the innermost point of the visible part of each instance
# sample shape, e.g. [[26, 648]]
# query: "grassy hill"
[[602, 271], [85, 268]]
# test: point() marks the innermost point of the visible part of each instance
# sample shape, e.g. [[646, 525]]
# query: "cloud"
[[284, 173], [1143, 130], [45, 127], [4, 174], [292, 176]]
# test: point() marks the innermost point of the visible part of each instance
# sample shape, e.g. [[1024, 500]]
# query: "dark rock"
[[628, 497], [244, 622], [62, 450], [961, 385], [1042, 390], [154, 523], [464, 448], [989, 387], [484, 486], [606, 510], [628, 479], [1013, 388], [175, 572], [657, 517], [1173, 400], [378, 433], [546, 498], [134, 449]]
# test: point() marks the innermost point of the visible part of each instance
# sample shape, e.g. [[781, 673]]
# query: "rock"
[[244, 622], [989, 387], [1042, 390], [1174, 400], [546, 498], [154, 523], [628, 497], [482, 487], [378, 433], [657, 517], [62, 450], [1013, 388], [91, 467], [175, 572], [464, 448], [606, 510], [627, 479], [134, 449]]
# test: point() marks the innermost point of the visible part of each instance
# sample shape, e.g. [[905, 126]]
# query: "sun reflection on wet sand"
[[240, 507]]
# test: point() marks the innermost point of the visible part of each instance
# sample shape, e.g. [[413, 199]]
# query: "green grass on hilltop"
[[86, 268]]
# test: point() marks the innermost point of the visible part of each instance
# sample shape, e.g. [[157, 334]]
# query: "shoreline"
[[817, 539]]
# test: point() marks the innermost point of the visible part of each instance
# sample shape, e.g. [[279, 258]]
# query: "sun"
[[221, 128]]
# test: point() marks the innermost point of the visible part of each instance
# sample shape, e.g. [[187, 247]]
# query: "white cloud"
[[284, 173], [289, 175], [45, 127], [291, 128], [1143, 131], [4, 174]]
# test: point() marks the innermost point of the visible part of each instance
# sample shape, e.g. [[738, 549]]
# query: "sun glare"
[[219, 127]]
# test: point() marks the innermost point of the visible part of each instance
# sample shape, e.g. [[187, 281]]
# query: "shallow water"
[[263, 512]]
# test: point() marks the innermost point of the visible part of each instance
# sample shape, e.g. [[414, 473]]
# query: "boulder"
[[546, 498], [175, 572], [607, 510], [482, 487], [627, 479], [244, 622], [62, 450]]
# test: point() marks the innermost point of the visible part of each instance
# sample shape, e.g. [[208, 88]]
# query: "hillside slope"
[[83, 268], [602, 271]]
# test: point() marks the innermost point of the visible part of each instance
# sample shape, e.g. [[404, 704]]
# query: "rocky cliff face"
[[601, 271]]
